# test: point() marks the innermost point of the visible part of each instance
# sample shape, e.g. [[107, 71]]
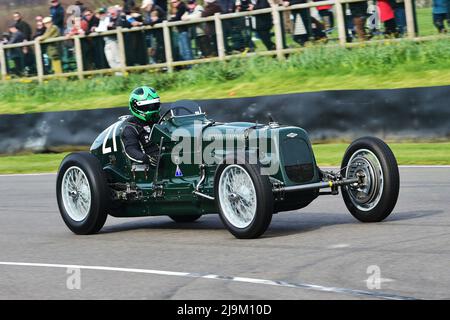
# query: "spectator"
[[400, 16], [29, 61], [81, 7], [128, 6], [239, 29], [154, 14], [75, 29], [53, 47], [448, 12], [229, 25], [57, 15], [387, 16], [135, 46], [198, 30], [162, 4], [264, 23], [103, 20], [87, 23], [99, 42], [40, 27], [211, 8], [184, 42], [302, 22], [111, 43], [359, 15], [5, 38], [326, 12], [22, 26], [440, 12], [15, 54]]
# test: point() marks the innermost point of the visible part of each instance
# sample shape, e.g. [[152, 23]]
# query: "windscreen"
[[183, 108]]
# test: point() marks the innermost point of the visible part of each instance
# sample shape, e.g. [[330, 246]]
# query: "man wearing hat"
[[52, 31]]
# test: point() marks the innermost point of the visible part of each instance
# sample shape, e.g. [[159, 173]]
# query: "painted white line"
[[370, 294], [338, 246]]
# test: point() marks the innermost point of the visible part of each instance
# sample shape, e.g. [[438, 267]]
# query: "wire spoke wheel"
[[82, 193], [238, 195], [76, 193]]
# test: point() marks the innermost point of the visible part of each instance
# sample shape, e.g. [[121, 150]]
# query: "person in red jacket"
[[387, 16]]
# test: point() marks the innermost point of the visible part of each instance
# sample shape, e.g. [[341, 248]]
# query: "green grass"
[[326, 155], [406, 153], [425, 22], [381, 66], [31, 163]]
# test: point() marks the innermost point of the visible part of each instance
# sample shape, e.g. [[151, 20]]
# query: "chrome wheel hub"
[[76, 193], [364, 164]]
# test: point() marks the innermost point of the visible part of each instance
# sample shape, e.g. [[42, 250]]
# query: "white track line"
[[370, 294]]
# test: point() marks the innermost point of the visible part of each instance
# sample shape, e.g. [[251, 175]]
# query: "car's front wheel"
[[373, 161], [82, 193], [244, 198]]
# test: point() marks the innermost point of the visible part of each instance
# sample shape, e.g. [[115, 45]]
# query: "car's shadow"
[[283, 224], [318, 220]]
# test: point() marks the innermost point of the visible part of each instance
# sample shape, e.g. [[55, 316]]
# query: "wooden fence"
[[169, 63]]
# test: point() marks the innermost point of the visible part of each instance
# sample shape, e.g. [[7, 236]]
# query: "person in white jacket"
[[106, 17]]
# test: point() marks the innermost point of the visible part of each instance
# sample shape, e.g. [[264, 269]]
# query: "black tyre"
[[244, 198], [82, 193], [186, 218], [372, 159]]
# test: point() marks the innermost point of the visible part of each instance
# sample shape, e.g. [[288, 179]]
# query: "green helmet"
[[144, 103]]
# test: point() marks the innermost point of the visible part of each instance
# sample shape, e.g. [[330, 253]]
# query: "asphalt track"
[[320, 252]]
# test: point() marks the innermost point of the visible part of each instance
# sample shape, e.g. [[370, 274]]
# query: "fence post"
[[39, 63], [121, 45], [168, 46], [3, 63], [278, 31], [219, 36], [78, 57], [340, 20], [410, 19]]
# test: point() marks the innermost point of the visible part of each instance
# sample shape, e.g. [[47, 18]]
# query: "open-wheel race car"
[[244, 171]]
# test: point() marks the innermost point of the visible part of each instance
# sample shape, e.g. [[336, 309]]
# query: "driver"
[[144, 105]]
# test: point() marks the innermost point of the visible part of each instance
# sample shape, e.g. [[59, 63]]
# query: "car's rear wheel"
[[82, 193], [373, 160], [244, 198], [186, 218]]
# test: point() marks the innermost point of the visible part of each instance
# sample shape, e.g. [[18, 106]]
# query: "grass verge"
[[377, 66], [326, 155]]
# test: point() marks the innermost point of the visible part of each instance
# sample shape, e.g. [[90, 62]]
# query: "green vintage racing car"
[[243, 171]]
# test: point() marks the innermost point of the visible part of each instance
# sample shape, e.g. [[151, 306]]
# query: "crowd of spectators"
[[189, 41]]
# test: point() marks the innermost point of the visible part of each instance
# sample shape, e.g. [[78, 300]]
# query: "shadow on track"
[[283, 224]]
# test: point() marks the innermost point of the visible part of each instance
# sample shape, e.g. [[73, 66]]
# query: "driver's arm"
[[133, 148]]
